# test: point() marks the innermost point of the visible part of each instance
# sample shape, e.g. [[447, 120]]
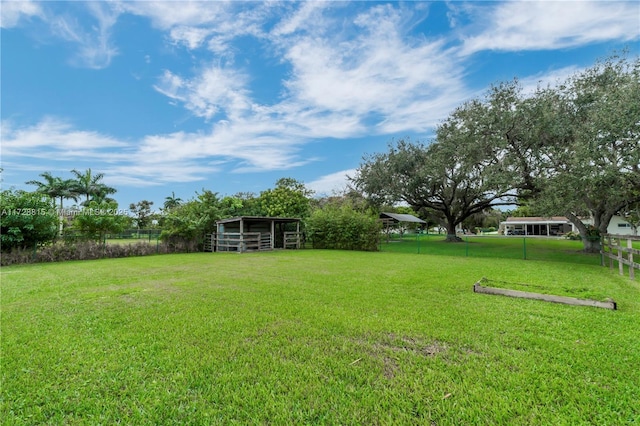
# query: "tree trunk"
[[590, 244], [451, 232], [61, 219]]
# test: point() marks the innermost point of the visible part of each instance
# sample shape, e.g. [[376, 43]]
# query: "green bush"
[[572, 236], [88, 250], [343, 228], [27, 220]]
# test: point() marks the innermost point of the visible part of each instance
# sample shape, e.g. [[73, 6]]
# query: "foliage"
[[571, 235], [27, 220], [142, 213], [56, 187], [241, 204], [90, 250], [343, 228], [98, 219], [171, 202], [593, 165], [290, 198], [573, 149], [192, 220], [351, 197], [449, 176], [91, 186], [631, 213]]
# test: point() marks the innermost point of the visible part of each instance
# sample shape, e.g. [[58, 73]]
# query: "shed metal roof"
[[401, 217], [259, 218]]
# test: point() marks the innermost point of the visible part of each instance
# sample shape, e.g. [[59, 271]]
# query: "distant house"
[[557, 225], [617, 225]]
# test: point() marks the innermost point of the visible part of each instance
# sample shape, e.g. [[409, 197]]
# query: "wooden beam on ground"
[[478, 288]]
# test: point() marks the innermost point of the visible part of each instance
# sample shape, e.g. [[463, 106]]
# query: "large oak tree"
[[593, 164]]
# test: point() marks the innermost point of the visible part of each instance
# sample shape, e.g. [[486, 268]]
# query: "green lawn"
[[153, 240], [315, 337], [512, 247]]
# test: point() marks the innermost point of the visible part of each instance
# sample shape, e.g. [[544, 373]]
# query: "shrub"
[[572, 236], [27, 219], [87, 250], [343, 228]]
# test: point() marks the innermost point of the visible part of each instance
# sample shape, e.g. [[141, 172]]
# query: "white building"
[[557, 225]]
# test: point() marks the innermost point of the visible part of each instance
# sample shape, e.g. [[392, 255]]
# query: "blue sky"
[[167, 97]]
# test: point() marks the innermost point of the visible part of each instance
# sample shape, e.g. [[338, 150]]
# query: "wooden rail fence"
[[249, 241], [615, 247]]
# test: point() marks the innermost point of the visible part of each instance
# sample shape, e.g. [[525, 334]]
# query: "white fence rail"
[[619, 248]]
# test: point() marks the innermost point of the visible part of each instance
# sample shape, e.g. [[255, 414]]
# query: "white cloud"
[[534, 25], [11, 12], [55, 136], [305, 18], [381, 82], [95, 48], [381, 75], [332, 183], [156, 159], [213, 90], [197, 24]]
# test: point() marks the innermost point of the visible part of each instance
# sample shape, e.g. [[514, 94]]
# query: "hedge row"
[[88, 250]]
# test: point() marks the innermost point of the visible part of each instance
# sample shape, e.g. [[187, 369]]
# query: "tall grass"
[[314, 337]]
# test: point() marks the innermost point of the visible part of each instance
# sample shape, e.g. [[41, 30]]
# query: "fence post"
[[632, 273], [524, 247], [610, 252], [620, 264]]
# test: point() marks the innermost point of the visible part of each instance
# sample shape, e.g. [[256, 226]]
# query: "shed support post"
[[273, 234]]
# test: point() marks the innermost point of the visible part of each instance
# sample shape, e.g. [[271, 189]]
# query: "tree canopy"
[[571, 149], [27, 219], [594, 166]]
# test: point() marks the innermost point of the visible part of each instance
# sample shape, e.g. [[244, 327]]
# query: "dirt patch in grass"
[[392, 350]]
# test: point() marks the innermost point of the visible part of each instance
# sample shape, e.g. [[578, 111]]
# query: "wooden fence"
[[619, 248], [240, 242], [292, 240]]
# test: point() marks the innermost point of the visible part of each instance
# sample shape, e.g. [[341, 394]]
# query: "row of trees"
[[572, 149], [35, 218], [32, 218], [87, 185]]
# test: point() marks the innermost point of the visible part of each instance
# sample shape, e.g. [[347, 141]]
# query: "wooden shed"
[[254, 233]]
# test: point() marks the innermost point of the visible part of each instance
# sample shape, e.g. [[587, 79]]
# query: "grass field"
[[315, 337], [153, 240], [513, 247]]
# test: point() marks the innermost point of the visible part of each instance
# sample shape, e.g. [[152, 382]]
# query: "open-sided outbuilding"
[[391, 220], [252, 233]]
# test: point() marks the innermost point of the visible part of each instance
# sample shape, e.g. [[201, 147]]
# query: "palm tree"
[[55, 187], [89, 185], [101, 195], [172, 202]]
